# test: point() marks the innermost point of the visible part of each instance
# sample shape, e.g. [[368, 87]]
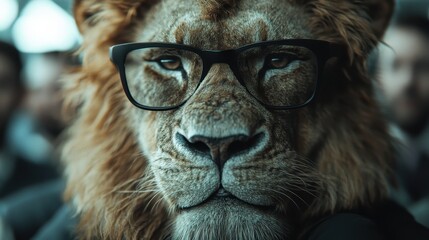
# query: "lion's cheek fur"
[[147, 132]]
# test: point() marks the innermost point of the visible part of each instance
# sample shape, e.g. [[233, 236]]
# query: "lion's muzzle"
[[221, 150]]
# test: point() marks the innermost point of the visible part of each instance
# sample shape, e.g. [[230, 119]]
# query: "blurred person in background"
[[45, 99], [11, 92], [16, 170], [403, 79], [34, 135], [36, 129]]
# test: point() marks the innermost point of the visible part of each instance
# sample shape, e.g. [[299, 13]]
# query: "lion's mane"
[[103, 161]]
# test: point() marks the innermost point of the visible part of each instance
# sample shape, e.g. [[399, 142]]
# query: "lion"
[[245, 153]]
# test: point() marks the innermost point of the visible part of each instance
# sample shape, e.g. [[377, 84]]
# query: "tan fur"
[[342, 132], [213, 9]]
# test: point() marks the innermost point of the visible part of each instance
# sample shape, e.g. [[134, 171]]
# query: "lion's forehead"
[[248, 23]]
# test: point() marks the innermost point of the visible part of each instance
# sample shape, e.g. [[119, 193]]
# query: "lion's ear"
[[358, 24], [90, 13], [380, 12], [85, 12]]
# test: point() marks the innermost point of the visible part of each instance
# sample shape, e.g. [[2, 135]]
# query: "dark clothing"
[[26, 174], [415, 182], [345, 226], [387, 221], [397, 224], [28, 210], [60, 226]]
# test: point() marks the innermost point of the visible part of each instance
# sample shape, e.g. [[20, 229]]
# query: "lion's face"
[[224, 161], [223, 166]]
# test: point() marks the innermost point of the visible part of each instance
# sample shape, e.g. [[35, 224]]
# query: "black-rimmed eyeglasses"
[[281, 74]]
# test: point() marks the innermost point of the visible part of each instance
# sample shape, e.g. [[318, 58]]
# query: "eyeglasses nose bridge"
[[219, 56]]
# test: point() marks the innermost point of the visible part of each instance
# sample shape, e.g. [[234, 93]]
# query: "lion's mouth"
[[225, 216], [222, 195]]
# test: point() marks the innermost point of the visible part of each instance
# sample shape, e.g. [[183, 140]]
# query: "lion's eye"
[[170, 63], [278, 61]]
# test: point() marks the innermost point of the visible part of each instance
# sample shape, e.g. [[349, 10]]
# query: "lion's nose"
[[221, 149]]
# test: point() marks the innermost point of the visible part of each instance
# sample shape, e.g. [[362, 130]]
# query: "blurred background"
[[44, 33], [36, 26], [37, 41]]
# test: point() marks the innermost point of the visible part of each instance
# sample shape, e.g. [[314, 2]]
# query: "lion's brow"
[[214, 9]]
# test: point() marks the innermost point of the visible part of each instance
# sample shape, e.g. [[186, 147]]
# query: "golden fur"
[[341, 133]]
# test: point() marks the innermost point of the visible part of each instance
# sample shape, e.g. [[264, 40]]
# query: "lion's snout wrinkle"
[[221, 150]]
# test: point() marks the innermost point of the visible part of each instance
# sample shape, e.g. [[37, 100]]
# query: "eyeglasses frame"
[[323, 50]]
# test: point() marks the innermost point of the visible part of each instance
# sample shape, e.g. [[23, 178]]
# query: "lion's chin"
[[228, 218]]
